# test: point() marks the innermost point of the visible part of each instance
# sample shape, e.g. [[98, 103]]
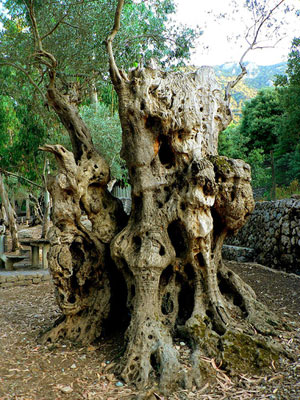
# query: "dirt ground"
[[31, 371]]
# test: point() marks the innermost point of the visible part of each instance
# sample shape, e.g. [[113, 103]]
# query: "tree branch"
[[55, 27], [114, 71], [20, 177], [40, 52], [68, 24]]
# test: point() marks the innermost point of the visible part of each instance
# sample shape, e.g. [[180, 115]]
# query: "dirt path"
[[30, 371]]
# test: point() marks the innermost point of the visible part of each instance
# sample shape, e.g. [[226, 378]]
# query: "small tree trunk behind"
[[273, 190], [47, 201], [94, 95], [13, 203], [46, 216], [27, 202], [11, 216]]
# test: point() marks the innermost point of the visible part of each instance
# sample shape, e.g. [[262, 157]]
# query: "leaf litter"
[[31, 371]]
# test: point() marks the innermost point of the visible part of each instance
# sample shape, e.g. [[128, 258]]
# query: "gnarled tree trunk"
[[85, 218], [185, 200]]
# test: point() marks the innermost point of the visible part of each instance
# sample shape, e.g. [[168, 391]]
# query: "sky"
[[219, 43], [216, 32]]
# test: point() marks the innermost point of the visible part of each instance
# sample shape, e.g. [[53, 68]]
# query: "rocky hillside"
[[258, 77]]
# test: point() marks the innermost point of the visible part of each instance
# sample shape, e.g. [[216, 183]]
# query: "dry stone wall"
[[273, 231], [22, 278]]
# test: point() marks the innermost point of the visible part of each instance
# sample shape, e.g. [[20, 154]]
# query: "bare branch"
[[232, 84], [68, 24], [256, 28], [263, 20], [114, 71], [37, 38], [20, 177], [270, 46]]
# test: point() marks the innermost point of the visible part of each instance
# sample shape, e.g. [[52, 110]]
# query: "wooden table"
[[35, 246]]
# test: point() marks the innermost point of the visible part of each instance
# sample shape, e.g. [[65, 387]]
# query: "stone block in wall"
[[237, 253], [28, 277], [7, 285], [10, 278], [22, 278], [285, 228]]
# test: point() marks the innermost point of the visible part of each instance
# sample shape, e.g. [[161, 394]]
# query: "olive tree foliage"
[[75, 31]]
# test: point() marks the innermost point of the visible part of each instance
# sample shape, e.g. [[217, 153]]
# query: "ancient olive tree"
[[186, 199], [159, 273]]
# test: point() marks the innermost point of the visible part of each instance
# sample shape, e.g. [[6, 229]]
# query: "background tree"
[[287, 152], [234, 144], [261, 116], [270, 123], [260, 119]]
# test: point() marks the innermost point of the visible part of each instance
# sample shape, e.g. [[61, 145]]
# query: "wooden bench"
[[10, 259]]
